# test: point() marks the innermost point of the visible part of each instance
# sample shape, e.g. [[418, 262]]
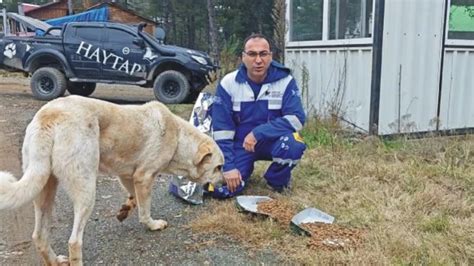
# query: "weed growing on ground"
[[414, 199]]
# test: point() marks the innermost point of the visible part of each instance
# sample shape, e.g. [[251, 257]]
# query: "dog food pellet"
[[332, 236], [280, 211], [323, 236]]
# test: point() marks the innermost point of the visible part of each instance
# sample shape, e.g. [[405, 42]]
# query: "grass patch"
[[414, 199], [182, 110], [324, 133], [437, 224]]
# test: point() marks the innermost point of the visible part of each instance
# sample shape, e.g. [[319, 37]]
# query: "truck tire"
[[48, 83], [171, 87], [81, 88], [192, 97]]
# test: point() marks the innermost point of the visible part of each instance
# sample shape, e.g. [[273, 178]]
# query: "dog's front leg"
[[143, 187], [131, 203]]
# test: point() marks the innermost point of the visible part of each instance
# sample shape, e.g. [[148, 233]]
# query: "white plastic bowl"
[[249, 203]]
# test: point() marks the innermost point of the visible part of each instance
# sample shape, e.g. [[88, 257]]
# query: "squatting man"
[[257, 114]]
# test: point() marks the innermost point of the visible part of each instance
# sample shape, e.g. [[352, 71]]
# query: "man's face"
[[257, 58]]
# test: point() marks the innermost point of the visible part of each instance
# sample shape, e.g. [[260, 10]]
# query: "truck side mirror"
[[160, 34]]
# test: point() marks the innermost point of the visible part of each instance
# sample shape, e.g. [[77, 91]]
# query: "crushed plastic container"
[[189, 191], [181, 186]]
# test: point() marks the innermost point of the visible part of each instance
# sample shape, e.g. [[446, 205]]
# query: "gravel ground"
[[106, 240]]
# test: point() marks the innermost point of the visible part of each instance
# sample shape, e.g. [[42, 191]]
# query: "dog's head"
[[208, 161]]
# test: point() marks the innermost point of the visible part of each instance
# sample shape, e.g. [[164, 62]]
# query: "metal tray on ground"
[[249, 203], [309, 215]]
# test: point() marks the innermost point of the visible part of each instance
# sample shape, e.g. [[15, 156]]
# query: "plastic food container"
[[309, 215], [249, 203]]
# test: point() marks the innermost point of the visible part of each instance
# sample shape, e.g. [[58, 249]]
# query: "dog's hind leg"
[[77, 158], [43, 213], [131, 202], [82, 191], [143, 186]]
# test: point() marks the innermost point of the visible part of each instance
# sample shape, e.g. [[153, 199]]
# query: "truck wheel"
[[192, 97], [171, 87], [48, 83], [81, 88]]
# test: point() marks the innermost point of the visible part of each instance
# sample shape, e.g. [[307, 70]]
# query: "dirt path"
[[106, 241]]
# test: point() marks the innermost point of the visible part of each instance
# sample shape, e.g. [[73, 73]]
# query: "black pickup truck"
[[78, 55]]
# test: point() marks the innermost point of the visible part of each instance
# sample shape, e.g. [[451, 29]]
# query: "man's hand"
[[233, 179], [249, 142]]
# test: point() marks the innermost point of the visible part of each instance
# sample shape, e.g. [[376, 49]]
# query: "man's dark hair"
[[257, 35]]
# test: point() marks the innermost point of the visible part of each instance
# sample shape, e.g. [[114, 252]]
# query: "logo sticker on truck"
[[102, 56], [10, 50]]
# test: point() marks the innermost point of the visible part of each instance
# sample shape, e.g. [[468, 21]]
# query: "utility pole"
[[213, 31], [69, 7]]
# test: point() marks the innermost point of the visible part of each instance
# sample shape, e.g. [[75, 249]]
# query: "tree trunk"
[[191, 32], [213, 31], [279, 29], [70, 9]]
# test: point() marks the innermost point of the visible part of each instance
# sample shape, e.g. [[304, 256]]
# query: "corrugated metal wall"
[[457, 108], [411, 61], [410, 76], [339, 81]]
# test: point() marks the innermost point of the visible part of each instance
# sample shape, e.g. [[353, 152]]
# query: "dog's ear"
[[203, 154]]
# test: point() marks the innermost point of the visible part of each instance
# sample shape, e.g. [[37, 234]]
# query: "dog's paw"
[[157, 225], [62, 260], [123, 212], [126, 209]]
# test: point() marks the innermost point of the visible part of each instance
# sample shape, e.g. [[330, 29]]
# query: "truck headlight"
[[199, 59]]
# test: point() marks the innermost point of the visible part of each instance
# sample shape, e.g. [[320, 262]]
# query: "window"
[[349, 19], [316, 20], [307, 20], [89, 33], [120, 36], [461, 20]]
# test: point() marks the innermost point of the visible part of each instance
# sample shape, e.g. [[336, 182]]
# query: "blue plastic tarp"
[[100, 14]]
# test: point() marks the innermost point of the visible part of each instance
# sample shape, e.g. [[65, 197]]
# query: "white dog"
[[71, 139]]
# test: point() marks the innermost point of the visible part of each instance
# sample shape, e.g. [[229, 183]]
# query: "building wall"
[[119, 15], [116, 14], [423, 85], [54, 11], [457, 108], [339, 81], [411, 63]]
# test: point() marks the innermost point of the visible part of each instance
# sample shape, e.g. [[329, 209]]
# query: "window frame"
[[111, 28], [454, 42], [325, 31], [85, 28]]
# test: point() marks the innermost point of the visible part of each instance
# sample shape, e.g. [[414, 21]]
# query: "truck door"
[[126, 61], [83, 46]]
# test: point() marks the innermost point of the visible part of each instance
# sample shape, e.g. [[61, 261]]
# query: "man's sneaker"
[[279, 189]]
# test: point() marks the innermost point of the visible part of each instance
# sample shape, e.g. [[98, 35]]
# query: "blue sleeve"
[[223, 127], [292, 119]]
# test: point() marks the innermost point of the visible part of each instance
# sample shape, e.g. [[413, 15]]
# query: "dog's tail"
[[37, 153]]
